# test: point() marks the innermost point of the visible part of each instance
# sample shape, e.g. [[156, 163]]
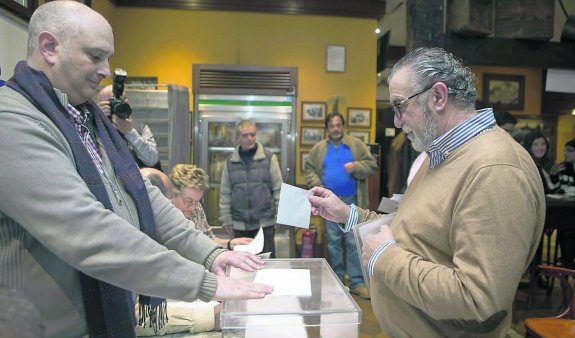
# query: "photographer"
[[140, 138]]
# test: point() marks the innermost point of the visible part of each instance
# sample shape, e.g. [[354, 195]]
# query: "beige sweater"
[[466, 232]]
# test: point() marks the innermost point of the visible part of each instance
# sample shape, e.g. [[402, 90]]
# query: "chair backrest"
[[567, 281]]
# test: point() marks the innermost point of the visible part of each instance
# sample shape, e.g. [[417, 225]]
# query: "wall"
[[533, 85], [166, 43], [565, 132], [13, 33]]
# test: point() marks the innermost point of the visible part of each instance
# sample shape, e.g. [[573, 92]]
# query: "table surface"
[[554, 200]]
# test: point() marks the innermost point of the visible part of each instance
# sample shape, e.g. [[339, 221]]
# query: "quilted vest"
[[251, 198]]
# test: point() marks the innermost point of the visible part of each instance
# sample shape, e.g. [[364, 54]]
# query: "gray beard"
[[423, 142]]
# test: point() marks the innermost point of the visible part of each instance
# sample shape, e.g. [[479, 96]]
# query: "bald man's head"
[[71, 44], [64, 19], [158, 179]]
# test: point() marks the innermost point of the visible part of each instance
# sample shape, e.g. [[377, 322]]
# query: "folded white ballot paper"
[[363, 229], [286, 282], [294, 208], [255, 247]]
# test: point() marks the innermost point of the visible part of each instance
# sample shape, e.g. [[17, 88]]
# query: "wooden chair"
[[562, 325]]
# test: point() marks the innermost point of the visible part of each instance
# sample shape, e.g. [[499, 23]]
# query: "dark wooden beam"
[[425, 28], [507, 52], [347, 8]]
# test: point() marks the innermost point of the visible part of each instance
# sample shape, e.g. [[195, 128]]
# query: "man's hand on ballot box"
[[231, 288]]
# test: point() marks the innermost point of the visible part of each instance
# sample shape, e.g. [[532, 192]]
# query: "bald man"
[[86, 235], [138, 136], [159, 180]]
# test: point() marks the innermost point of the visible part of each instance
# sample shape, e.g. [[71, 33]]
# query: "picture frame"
[[20, 8], [361, 134], [359, 117], [302, 157], [311, 135], [313, 111], [335, 58], [504, 92]]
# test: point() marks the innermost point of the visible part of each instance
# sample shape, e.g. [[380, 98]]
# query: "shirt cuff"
[[377, 253], [351, 219], [132, 136]]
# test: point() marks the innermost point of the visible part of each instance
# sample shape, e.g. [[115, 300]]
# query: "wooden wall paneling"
[[525, 19]]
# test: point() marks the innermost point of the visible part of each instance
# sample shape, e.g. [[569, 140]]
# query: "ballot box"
[[308, 301]]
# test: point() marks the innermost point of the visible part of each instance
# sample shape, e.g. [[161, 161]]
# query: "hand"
[[557, 168], [231, 288], [349, 167], [229, 228], [105, 106], [124, 126], [326, 204], [242, 260], [373, 241], [241, 241]]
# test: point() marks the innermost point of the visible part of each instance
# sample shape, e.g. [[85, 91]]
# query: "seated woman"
[[188, 185], [537, 145]]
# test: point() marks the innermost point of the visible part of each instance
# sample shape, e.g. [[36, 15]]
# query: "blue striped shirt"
[[438, 152]]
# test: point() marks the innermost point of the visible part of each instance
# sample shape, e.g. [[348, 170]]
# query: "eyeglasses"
[[396, 107], [190, 203]]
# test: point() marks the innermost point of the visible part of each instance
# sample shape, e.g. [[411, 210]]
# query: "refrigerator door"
[[215, 139]]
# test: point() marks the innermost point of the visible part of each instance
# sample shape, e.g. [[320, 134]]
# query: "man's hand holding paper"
[[326, 204]]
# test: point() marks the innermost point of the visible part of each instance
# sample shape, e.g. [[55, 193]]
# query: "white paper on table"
[[286, 282], [255, 247], [294, 207]]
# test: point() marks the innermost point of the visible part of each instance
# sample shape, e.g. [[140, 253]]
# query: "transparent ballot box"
[[321, 308]]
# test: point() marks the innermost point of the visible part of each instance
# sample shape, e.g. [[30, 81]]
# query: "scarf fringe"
[[156, 317]]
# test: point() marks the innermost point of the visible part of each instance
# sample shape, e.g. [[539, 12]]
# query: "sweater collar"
[[444, 145]]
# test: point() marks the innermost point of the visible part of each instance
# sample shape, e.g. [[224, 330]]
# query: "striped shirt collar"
[[444, 145]]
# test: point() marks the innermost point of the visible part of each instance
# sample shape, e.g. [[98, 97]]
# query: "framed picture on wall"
[[504, 91], [21, 8], [359, 117], [313, 111], [303, 156], [335, 58], [310, 136], [360, 134]]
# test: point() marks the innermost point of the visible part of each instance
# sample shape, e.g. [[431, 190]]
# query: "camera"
[[117, 105]]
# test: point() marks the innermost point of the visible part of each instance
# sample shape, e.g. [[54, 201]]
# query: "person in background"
[[191, 317], [566, 177], [342, 163], [159, 180], [250, 188], [506, 121], [536, 143], [138, 136], [189, 183], [566, 171], [88, 234], [450, 262]]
